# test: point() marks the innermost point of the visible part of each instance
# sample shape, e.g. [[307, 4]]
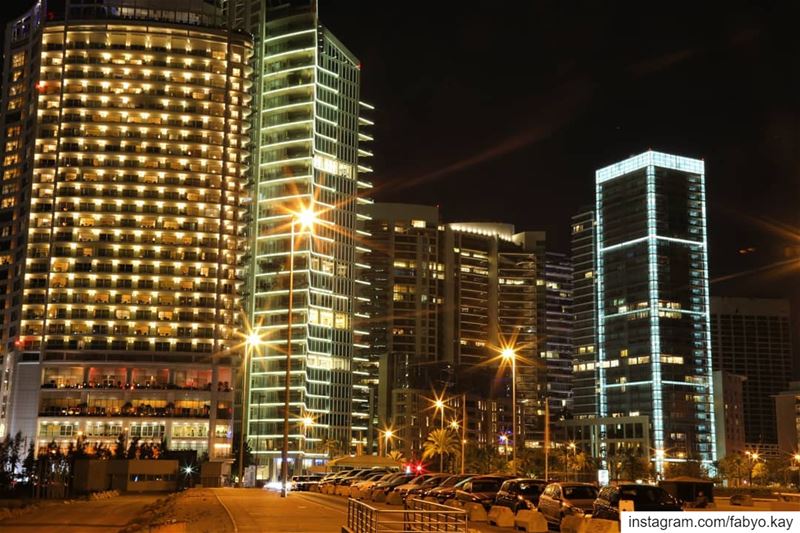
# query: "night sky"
[[503, 110]]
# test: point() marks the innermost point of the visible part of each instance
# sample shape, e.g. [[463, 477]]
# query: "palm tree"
[[441, 442], [396, 455]]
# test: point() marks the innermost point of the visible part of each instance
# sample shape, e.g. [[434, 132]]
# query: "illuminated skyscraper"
[[305, 239], [126, 137], [653, 336]]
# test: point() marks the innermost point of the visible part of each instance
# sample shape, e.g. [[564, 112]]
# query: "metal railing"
[[417, 516]]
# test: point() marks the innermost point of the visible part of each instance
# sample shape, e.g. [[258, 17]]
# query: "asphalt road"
[[91, 516], [254, 510]]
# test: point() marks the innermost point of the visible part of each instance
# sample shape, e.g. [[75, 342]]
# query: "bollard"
[[476, 512], [501, 516]]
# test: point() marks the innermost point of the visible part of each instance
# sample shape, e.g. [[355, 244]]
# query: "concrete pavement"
[[102, 516]]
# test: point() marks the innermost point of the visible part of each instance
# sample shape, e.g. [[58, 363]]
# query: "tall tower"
[[132, 189], [584, 388], [653, 336], [305, 242]]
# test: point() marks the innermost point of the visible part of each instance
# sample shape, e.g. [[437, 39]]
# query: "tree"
[[733, 467], [687, 469], [442, 443], [531, 462], [760, 472], [485, 459], [628, 465], [396, 455]]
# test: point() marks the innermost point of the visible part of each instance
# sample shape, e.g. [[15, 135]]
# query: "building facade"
[[787, 412], [446, 298], [130, 160], [653, 327], [557, 333], [306, 272], [584, 342], [752, 337], [729, 412]]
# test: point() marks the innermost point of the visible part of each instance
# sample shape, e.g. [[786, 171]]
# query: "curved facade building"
[[137, 187]]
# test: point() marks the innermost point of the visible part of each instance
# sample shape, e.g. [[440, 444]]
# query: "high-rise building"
[[446, 297], [557, 352], [653, 328], [729, 412], [306, 240], [787, 412], [752, 337], [126, 147], [584, 343]]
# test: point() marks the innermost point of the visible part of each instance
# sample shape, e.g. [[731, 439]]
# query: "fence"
[[418, 516]]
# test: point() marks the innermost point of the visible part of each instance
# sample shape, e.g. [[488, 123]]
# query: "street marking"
[[230, 515]]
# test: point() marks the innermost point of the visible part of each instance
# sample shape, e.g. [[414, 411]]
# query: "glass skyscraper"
[[309, 129], [653, 336]]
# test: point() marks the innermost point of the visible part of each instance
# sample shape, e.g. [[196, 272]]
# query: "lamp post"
[[387, 435], [509, 355], [250, 343], [753, 457], [439, 404], [306, 219]]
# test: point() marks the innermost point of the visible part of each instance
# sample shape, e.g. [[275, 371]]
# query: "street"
[[96, 516]]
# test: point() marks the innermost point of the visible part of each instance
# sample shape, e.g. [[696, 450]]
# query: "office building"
[[787, 412], [556, 335], [584, 345], [126, 148], [653, 330], [446, 297], [306, 240], [729, 412], [752, 337]]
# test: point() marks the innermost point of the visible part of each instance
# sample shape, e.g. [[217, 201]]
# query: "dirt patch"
[[199, 509]]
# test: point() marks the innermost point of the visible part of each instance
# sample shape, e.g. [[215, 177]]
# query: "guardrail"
[[418, 516]]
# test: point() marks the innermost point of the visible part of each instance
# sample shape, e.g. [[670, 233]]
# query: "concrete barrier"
[[378, 496], [573, 524], [394, 498], [452, 502], [355, 493], [530, 521], [599, 525], [501, 516], [476, 512]]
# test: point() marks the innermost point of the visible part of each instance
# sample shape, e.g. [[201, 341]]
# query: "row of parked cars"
[[554, 500]]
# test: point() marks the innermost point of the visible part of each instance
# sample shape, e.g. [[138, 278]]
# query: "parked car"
[[480, 489], [331, 478], [644, 497], [303, 483], [370, 480], [432, 482], [393, 483], [447, 490], [413, 483], [520, 493], [345, 480], [358, 476], [562, 499]]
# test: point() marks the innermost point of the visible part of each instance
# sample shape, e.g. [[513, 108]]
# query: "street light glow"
[[253, 339], [307, 217], [508, 353], [308, 421], [439, 404], [454, 424]]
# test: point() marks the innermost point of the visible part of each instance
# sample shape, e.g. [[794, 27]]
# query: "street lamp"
[[306, 218], [753, 456], [439, 404], [509, 355], [250, 343]]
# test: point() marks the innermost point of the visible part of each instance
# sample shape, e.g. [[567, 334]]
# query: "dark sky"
[[503, 110]]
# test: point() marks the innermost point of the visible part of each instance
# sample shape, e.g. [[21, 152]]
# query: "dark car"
[[357, 476], [447, 489], [480, 489], [431, 483], [388, 484], [644, 497], [520, 493], [563, 499]]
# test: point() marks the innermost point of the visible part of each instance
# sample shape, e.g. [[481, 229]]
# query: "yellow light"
[[389, 433], [439, 404], [308, 421], [307, 217], [660, 454], [797, 457], [508, 354], [454, 424], [253, 339]]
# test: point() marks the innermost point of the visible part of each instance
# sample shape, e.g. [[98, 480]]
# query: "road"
[[301, 512], [261, 510], [91, 516]]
